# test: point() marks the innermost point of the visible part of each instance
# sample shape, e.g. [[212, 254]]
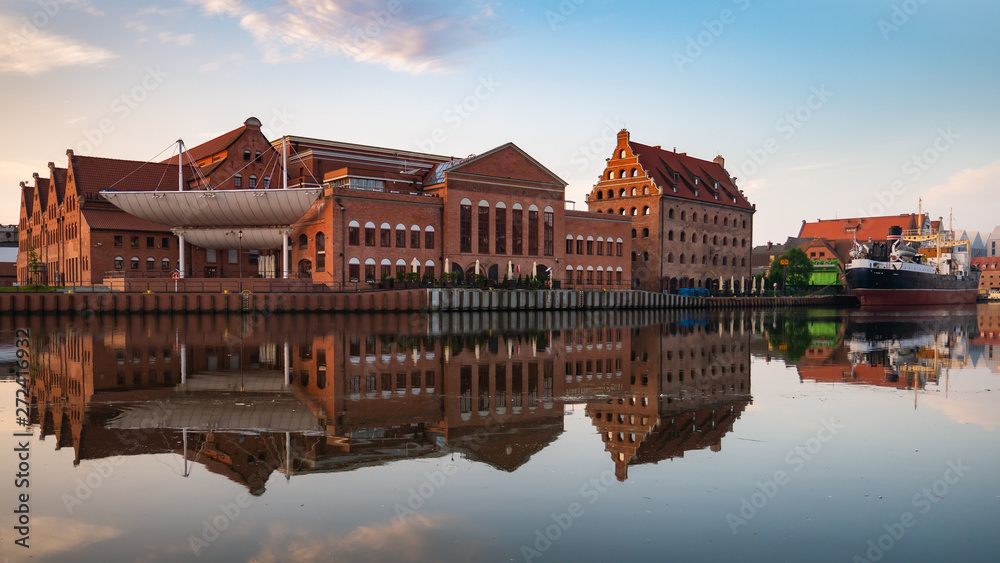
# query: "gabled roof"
[[27, 199], [661, 166], [863, 228], [93, 174], [115, 220], [210, 147], [59, 178], [510, 162], [42, 193]]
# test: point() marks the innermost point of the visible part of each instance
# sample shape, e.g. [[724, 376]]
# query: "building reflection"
[[248, 396], [910, 348]]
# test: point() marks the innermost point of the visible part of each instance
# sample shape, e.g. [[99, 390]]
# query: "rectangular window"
[[134, 241], [548, 237], [400, 238], [386, 237], [354, 272], [590, 247], [590, 277], [254, 257], [600, 248], [165, 243], [618, 278], [150, 242], [233, 258], [369, 236], [532, 232], [414, 239], [353, 236], [118, 240], [370, 273], [400, 271], [429, 240], [210, 255], [429, 272], [484, 229], [465, 228], [579, 246], [600, 281], [569, 277], [516, 231], [501, 228], [386, 271], [618, 248], [569, 246]]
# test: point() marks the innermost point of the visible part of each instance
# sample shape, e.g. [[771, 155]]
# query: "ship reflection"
[[245, 397], [909, 348]]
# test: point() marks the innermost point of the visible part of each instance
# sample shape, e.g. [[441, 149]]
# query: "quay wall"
[[408, 300]]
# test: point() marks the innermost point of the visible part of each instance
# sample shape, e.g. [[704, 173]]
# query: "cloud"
[[405, 36], [68, 535], [966, 191], [224, 62], [182, 40], [84, 5], [29, 50], [416, 538]]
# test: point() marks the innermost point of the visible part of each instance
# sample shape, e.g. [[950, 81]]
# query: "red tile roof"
[[864, 228], [116, 220], [210, 147], [92, 174], [661, 165]]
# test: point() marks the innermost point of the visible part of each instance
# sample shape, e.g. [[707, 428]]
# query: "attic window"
[[697, 180], [696, 192], [716, 184], [256, 156], [675, 188], [716, 196], [621, 154], [246, 154], [677, 178]]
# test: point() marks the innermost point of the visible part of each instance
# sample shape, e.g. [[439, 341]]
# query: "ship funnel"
[[895, 233]]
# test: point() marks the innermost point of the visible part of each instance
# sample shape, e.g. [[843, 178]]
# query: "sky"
[[821, 108]]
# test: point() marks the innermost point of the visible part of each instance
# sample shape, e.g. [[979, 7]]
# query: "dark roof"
[[28, 199], [661, 166], [116, 220], [59, 176], [93, 174], [42, 189]]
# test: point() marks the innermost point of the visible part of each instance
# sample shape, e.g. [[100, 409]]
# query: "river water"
[[778, 435]]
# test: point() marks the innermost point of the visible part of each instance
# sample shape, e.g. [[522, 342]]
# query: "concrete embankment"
[[434, 299]]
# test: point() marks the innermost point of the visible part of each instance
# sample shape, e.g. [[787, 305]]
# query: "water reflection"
[[246, 397], [905, 349]]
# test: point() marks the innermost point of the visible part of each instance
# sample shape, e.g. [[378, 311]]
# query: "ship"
[[923, 266]]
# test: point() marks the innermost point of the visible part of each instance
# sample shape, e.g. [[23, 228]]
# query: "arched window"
[[633, 256], [119, 262], [611, 194], [743, 261], [600, 195], [632, 191], [682, 258], [645, 190], [715, 239], [150, 263], [621, 211], [621, 173], [682, 236], [670, 214], [135, 262], [704, 239], [683, 213], [645, 256], [634, 172], [693, 259], [621, 154], [429, 237], [645, 210], [611, 211], [621, 192], [369, 234], [267, 182], [724, 260], [633, 233], [645, 232], [465, 226], [303, 242], [634, 212], [725, 221], [320, 252], [670, 235], [354, 270], [253, 181], [715, 260], [743, 243], [694, 217], [716, 219], [246, 154], [670, 257], [238, 179], [704, 260]]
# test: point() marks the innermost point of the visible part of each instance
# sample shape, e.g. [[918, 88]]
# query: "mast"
[[180, 188], [284, 179]]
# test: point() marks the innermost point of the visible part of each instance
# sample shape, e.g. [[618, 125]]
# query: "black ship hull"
[[889, 286]]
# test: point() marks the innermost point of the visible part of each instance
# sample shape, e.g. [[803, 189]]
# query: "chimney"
[[769, 244], [720, 161]]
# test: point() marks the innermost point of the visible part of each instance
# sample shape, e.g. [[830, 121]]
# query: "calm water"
[[762, 436]]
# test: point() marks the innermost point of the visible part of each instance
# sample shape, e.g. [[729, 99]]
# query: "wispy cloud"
[[414, 37], [182, 40], [84, 5], [967, 191], [41, 51], [226, 61]]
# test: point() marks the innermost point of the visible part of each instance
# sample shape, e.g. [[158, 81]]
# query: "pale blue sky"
[[557, 77]]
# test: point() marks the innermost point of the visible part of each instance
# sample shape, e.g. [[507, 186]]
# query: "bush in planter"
[[412, 277]]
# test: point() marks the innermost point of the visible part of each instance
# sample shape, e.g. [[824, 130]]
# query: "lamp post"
[[239, 259]]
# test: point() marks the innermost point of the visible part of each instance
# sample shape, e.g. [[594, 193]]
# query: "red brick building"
[[690, 224], [80, 238]]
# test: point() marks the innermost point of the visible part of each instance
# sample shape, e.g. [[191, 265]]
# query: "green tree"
[[795, 274]]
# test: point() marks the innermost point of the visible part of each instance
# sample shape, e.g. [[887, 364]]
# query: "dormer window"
[[675, 188], [697, 180], [677, 178]]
